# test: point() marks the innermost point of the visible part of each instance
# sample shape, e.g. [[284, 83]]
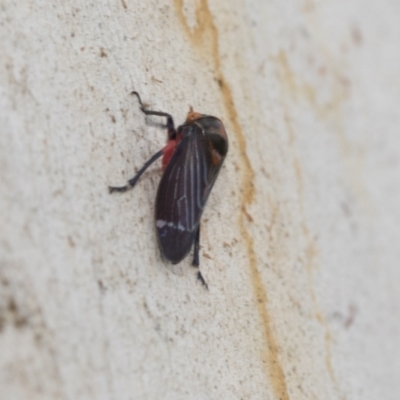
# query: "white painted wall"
[[300, 238]]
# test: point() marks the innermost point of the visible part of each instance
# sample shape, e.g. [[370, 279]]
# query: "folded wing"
[[183, 192]]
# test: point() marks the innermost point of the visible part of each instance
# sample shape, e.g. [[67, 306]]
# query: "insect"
[[191, 161]]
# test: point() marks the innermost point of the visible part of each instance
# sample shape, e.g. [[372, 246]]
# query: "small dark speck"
[[322, 70], [124, 4], [19, 320], [346, 209], [12, 306], [351, 316], [345, 82], [347, 320], [38, 337], [71, 241], [103, 52], [113, 119], [356, 35], [72, 34], [82, 48]]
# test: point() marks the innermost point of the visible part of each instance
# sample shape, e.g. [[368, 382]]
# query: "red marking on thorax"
[[169, 149]]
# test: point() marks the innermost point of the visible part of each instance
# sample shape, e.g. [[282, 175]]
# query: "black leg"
[[196, 257], [201, 279], [170, 121], [132, 182]]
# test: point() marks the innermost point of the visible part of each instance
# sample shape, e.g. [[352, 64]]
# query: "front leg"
[[132, 182], [170, 120]]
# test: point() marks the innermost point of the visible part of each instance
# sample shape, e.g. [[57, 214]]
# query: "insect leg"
[[132, 182], [201, 279], [196, 257], [170, 120]]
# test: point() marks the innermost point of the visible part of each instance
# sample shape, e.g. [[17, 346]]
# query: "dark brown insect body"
[[192, 158]]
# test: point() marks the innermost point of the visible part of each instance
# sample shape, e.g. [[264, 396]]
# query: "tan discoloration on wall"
[[331, 111], [298, 89], [311, 256], [205, 37], [311, 251]]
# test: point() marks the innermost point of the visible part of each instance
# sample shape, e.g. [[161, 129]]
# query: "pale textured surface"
[[300, 239]]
